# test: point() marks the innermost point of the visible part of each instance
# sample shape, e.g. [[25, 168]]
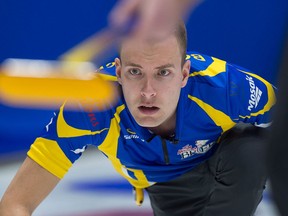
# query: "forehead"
[[141, 50]]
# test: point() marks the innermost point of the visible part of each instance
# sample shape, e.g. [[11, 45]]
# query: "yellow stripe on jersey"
[[141, 181], [49, 155], [107, 77], [270, 95], [221, 119], [65, 130], [109, 147], [216, 67]]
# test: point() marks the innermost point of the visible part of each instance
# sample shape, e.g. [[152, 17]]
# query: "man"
[[174, 131], [167, 11]]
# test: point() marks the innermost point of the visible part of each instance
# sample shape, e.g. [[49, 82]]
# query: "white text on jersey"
[[255, 94]]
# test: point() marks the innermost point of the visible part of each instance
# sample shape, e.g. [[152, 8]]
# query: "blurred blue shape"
[[249, 33]]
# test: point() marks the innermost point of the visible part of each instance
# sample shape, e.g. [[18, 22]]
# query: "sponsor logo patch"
[[255, 94], [202, 146], [132, 135]]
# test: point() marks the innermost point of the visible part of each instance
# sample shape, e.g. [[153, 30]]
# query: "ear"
[[185, 72], [118, 70]]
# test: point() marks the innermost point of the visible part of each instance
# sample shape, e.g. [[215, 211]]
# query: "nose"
[[148, 91]]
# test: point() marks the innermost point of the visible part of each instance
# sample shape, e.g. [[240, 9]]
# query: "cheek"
[[174, 87], [130, 91], [130, 86], [172, 93]]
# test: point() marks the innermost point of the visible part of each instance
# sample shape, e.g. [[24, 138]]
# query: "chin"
[[147, 122]]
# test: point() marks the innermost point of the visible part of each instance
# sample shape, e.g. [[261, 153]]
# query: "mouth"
[[148, 110]]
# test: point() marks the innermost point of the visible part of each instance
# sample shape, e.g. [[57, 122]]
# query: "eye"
[[164, 72], [134, 71]]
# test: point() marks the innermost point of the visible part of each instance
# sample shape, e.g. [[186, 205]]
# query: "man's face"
[[152, 76]]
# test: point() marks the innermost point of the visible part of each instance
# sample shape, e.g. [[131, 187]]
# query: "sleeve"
[[252, 98], [64, 139]]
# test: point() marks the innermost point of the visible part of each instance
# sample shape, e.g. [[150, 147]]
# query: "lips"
[[148, 110]]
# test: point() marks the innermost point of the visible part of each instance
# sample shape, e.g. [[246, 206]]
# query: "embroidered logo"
[[79, 150], [255, 94], [185, 152], [51, 120], [202, 146], [93, 119], [132, 135], [130, 131]]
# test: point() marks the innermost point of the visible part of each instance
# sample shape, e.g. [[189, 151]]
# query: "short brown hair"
[[181, 36]]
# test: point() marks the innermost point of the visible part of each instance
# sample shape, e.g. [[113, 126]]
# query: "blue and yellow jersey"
[[218, 95]]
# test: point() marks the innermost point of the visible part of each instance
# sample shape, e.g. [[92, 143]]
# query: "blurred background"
[[249, 33]]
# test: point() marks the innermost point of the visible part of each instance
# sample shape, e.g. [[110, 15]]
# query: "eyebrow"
[[158, 68], [165, 66], [132, 64]]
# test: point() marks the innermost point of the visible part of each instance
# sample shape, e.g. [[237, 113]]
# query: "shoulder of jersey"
[[107, 71], [205, 65]]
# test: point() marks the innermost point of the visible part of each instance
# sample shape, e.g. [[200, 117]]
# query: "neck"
[[167, 128]]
